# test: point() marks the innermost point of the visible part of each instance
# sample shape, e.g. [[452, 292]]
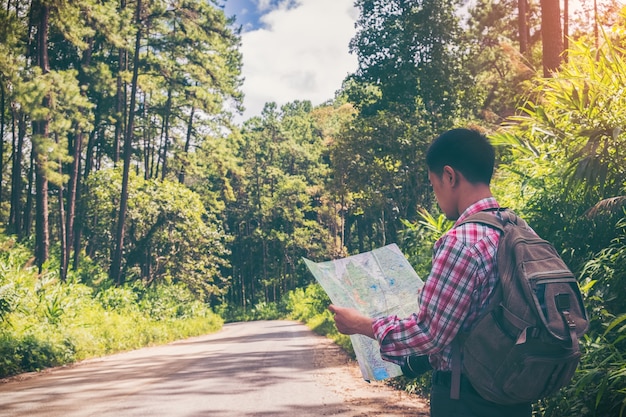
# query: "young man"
[[460, 285]]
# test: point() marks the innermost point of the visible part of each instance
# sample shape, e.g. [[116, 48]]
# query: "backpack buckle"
[[562, 301]]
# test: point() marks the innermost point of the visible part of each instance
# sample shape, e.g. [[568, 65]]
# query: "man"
[[460, 166]]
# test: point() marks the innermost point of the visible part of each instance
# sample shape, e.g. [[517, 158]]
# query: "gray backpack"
[[525, 345]]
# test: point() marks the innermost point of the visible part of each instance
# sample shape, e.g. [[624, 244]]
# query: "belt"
[[444, 378]]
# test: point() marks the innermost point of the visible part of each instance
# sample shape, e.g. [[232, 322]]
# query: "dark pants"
[[469, 404]]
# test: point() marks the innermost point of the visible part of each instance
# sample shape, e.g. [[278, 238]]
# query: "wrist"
[[367, 327]]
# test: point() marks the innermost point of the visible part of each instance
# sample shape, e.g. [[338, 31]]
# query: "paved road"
[[267, 368]]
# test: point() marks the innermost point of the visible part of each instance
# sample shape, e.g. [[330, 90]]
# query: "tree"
[[551, 36], [411, 83], [274, 217], [567, 149], [200, 65], [190, 66], [522, 24], [59, 70], [503, 58], [11, 39], [413, 53], [41, 13], [171, 237], [115, 270]]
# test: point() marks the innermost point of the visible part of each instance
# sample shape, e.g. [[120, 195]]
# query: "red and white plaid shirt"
[[459, 286]]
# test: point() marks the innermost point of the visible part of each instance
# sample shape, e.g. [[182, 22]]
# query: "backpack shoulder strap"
[[487, 218]]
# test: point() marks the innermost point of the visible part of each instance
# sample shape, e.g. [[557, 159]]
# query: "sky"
[[293, 49]]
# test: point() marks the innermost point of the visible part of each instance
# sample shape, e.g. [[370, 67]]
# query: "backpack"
[[524, 346]]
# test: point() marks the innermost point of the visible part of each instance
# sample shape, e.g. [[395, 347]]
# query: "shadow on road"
[[269, 368]]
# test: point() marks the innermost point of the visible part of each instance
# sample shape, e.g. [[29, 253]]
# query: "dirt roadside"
[[338, 371]]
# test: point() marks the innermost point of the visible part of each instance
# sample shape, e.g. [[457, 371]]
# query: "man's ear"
[[449, 175]]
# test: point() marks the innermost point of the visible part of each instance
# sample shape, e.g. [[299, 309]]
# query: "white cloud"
[[300, 52]]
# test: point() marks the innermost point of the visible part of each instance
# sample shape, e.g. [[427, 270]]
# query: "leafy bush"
[[564, 158], [418, 239], [310, 306], [45, 322], [31, 353], [305, 303], [171, 237], [260, 311], [118, 298], [599, 388]]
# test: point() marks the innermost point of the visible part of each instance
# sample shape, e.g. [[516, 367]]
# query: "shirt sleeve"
[[444, 305]]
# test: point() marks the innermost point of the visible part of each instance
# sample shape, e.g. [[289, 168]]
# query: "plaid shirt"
[[460, 284]]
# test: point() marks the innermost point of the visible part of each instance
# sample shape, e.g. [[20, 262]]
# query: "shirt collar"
[[480, 205]]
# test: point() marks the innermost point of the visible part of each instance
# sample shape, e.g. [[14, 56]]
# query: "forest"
[[135, 210]]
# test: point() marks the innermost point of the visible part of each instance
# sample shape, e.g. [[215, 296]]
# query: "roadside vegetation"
[[135, 212], [46, 323]]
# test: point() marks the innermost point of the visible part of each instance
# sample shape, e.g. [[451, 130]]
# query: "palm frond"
[[609, 205]]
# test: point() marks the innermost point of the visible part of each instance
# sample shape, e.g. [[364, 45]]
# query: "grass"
[[46, 323]]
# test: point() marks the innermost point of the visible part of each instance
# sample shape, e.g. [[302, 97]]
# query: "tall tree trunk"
[[155, 156], [551, 36], [72, 196], [75, 150], [2, 124], [91, 145], [17, 183], [522, 21], [77, 230], [62, 232], [42, 233], [565, 29], [181, 175], [148, 145], [120, 102], [166, 131], [115, 271], [27, 217], [596, 24], [41, 130], [80, 209]]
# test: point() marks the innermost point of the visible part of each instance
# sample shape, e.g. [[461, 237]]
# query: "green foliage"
[[305, 303], [67, 114], [562, 155], [46, 322], [605, 277], [573, 126], [412, 83], [170, 239], [31, 352], [500, 67], [563, 168], [310, 305], [413, 53], [282, 210], [118, 299], [377, 160], [260, 311], [598, 387], [168, 302], [417, 240], [13, 257]]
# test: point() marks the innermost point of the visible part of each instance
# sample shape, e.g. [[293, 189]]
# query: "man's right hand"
[[350, 321]]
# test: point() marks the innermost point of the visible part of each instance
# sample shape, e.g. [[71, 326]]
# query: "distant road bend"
[[264, 368]]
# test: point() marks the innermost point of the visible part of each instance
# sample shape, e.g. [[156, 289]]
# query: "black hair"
[[467, 151]]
